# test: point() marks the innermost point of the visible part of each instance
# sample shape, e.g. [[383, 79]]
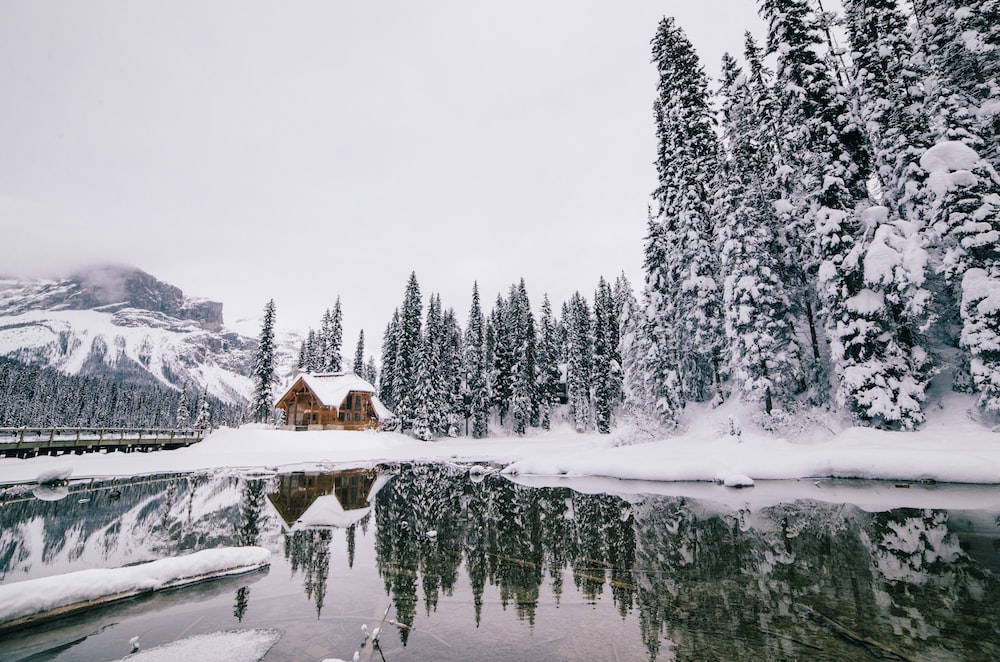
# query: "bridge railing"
[[99, 434]]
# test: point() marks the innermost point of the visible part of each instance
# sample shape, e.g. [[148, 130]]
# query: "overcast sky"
[[245, 150]]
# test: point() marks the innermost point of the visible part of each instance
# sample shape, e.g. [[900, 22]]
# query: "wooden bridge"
[[29, 442]]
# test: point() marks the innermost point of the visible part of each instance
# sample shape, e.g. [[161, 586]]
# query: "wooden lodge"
[[332, 401]]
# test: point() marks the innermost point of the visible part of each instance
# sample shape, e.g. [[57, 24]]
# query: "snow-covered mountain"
[[122, 323]]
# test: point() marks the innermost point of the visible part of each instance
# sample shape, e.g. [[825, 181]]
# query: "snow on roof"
[[332, 387]]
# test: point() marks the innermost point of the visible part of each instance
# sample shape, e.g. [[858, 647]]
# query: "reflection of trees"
[[786, 582], [508, 535], [308, 551], [251, 507], [242, 602]]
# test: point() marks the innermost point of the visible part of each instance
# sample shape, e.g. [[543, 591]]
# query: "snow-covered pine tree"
[[333, 359], [965, 186], [371, 371], [452, 374], [433, 391], [408, 353], [763, 351], [303, 357], [388, 374], [521, 327], [183, 413], [896, 366], [263, 372], [359, 356], [502, 370], [203, 420], [889, 81], [634, 348], [825, 151], [425, 393], [476, 368], [548, 364], [579, 366], [685, 320], [324, 342], [604, 363], [312, 352], [961, 39]]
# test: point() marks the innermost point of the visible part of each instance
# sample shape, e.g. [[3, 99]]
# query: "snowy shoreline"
[[950, 448]]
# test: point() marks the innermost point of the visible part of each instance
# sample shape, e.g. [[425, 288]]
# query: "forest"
[[824, 234]]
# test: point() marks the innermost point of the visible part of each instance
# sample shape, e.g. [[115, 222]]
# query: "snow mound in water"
[[736, 480], [34, 596], [230, 645], [54, 475]]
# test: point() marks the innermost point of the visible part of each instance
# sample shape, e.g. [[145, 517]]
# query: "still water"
[[474, 566]]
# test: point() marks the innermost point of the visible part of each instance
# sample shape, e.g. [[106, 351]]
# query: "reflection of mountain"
[[308, 500], [693, 580]]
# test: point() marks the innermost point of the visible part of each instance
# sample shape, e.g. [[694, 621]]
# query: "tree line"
[[831, 235], [823, 233], [37, 396]]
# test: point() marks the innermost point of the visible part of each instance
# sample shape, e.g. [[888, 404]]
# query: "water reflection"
[[691, 579]]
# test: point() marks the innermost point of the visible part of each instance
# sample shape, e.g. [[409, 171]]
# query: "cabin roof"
[[332, 387]]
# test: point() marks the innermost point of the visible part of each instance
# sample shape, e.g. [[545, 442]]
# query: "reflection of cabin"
[[332, 401], [314, 499]]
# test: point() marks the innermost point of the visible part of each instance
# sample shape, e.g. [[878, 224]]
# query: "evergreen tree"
[[763, 351], [824, 167], [605, 351], [332, 340], [388, 375], [203, 421], [183, 413], [452, 374], [408, 354], [432, 394], [263, 373], [548, 364], [371, 371], [476, 369], [521, 329], [635, 349], [579, 366], [502, 373], [425, 391], [312, 363], [961, 39], [303, 357], [359, 355], [685, 317]]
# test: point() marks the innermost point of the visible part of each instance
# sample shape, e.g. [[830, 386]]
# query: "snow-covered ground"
[[953, 446], [229, 645]]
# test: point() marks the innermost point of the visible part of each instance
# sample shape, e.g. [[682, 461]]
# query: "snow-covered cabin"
[[331, 401]]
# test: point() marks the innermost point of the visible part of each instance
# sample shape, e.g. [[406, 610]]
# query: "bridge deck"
[[29, 442]]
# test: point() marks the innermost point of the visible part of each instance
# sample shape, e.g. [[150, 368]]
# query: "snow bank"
[[54, 475], [953, 446], [231, 645], [75, 590]]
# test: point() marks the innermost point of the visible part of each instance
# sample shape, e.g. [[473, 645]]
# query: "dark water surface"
[[514, 572]]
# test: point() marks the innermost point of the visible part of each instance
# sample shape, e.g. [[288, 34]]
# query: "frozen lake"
[[476, 566]]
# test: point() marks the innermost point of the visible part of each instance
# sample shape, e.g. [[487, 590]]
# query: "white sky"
[[245, 150]]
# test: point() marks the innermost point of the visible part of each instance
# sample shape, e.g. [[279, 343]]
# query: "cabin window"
[[340, 417], [357, 402], [357, 417]]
